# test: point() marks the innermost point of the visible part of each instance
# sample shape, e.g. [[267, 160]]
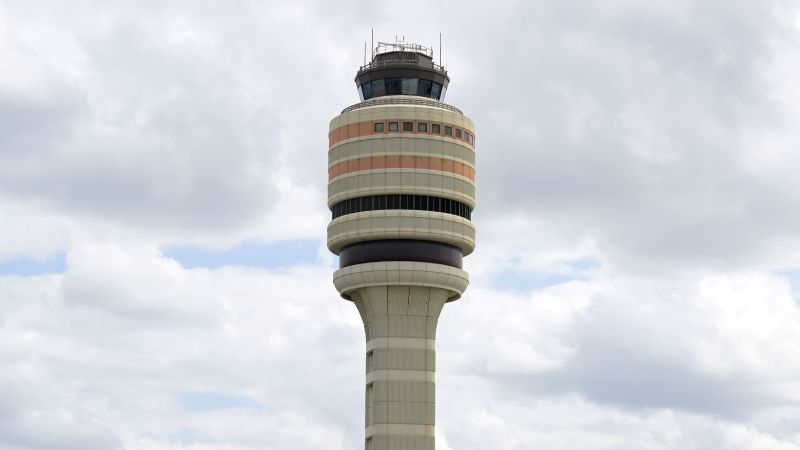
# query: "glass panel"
[[424, 88], [448, 131], [360, 94], [444, 91], [378, 127], [458, 133], [378, 88], [422, 127], [410, 86], [408, 126], [392, 126], [366, 89], [466, 136], [394, 86], [436, 91], [436, 129]]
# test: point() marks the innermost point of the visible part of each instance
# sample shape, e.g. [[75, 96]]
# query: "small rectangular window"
[[436, 128], [458, 133], [422, 127], [379, 127], [392, 126], [448, 131], [466, 136], [408, 126]]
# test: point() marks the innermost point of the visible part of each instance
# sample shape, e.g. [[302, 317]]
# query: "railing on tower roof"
[[402, 100], [404, 53]]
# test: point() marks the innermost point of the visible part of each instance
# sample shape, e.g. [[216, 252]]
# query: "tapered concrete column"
[[399, 303]]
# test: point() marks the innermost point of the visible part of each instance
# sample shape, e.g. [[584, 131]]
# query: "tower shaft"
[[400, 319], [400, 325]]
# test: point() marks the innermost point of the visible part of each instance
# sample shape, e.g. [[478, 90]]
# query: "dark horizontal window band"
[[402, 201], [401, 86], [400, 250]]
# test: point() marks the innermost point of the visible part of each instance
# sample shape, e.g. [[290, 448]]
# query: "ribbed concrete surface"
[[400, 326]]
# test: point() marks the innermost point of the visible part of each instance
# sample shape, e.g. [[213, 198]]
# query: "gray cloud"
[[636, 161]]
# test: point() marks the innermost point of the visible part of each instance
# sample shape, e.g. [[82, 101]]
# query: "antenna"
[[440, 50], [372, 42]]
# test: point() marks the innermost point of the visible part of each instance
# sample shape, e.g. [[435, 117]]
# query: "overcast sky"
[[164, 282]]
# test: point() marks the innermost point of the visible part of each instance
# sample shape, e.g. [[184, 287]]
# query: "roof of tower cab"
[[402, 68]]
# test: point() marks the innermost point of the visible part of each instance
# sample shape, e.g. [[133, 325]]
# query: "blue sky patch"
[[270, 256], [56, 263], [529, 281]]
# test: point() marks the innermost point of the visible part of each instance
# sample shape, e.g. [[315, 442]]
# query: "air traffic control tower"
[[401, 189]]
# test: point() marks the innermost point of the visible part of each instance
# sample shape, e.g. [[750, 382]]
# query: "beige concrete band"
[[403, 413], [402, 112], [394, 273], [372, 128], [401, 375], [401, 181], [400, 429], [403, 442], [405, 391], [401, 342], [403, 359], [401, 224]]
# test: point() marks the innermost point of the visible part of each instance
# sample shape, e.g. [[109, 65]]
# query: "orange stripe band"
[[401, 162]]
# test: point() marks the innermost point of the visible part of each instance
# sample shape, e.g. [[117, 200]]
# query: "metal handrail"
[[401, 62], [402, 100]]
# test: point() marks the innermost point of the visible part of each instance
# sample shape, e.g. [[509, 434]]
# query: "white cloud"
[[637, 225]]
